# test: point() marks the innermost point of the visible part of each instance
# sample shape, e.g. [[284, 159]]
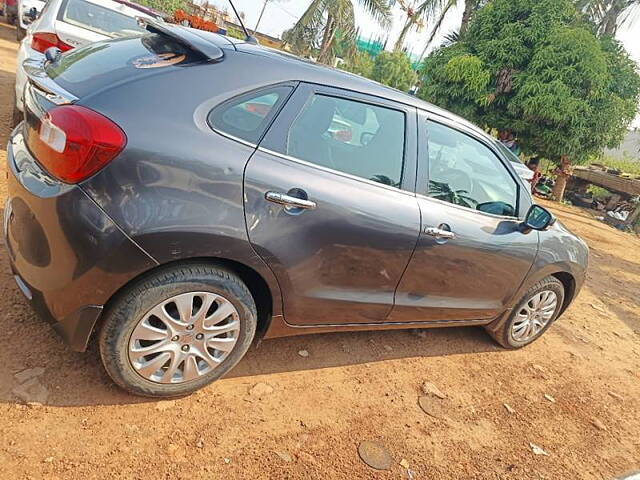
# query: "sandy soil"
[[314, 411]]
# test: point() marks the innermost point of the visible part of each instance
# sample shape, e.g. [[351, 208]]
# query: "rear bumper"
[[67, 255]]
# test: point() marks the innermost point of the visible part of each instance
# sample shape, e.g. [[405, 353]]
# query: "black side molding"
[[211, 52]]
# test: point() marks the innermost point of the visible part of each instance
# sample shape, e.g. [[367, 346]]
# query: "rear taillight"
[[40, 41], [72, 142]]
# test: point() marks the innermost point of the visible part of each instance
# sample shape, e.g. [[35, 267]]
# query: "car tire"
[[512, 334], [131, 312], [16, 115]]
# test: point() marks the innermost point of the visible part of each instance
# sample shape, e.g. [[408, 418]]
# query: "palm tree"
[[608, 14], [445, 7], [323, 18], [470, 6], [414, 19]]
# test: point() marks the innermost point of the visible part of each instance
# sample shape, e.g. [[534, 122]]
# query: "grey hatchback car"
[[181, 195]]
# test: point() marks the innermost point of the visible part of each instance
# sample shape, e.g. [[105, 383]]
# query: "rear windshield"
[[98, 19], [85, 70]]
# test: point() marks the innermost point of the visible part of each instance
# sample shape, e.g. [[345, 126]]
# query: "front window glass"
[[350, 136], [466, 172]]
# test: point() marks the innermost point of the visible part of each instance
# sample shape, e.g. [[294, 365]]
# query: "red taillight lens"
[[43, 40], [73, 142]]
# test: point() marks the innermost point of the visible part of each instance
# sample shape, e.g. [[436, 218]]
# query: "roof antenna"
[[248, 38]]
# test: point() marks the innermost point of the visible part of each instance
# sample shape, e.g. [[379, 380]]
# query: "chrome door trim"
[[472, 210], [335, 172], [235, 139]]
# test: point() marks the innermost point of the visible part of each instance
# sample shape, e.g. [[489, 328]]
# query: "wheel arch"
[[266, 300], [569, 283]]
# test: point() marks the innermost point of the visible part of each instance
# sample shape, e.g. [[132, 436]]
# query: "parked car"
[[524, 172], [28, 12], [66, 24], [179, 195], [9, 9]]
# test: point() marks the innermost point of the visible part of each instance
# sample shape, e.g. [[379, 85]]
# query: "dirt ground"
[[308, 414]]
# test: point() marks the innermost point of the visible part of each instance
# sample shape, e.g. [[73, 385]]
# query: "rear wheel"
[[177, 330], [533, 315]]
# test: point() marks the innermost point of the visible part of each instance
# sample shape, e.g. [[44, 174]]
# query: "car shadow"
[[78, 379]]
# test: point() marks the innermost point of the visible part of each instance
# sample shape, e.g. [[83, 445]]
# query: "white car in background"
[[28, 11], [66, 24]]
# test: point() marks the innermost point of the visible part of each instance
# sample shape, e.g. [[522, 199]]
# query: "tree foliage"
[[318, 26], [535, 67], [608, 14], [394, 69], [166, 6], [359, 63]]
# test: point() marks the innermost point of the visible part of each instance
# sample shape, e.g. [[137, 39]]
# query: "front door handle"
[[289, 201], [439, 233]]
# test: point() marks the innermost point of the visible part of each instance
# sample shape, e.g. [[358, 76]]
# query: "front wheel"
[[177, 330], [533, 315]]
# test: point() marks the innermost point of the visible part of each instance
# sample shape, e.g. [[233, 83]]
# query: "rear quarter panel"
[[177, 188]]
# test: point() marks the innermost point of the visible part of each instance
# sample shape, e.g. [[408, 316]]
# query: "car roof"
[[312, 72]]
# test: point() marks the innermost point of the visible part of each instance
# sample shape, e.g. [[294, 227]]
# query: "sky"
[[281, 15]]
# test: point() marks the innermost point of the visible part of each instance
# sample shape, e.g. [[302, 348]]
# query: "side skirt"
[[280, 328]]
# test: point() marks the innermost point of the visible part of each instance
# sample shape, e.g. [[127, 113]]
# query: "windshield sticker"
[[157, 61]]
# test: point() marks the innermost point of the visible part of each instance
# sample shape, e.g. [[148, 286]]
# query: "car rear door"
[[330, 207], [471, 256]]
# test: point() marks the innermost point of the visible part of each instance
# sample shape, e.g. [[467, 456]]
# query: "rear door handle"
[[289, 201], [439, 233]]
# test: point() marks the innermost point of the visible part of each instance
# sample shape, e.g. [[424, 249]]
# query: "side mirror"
[[538, 218]]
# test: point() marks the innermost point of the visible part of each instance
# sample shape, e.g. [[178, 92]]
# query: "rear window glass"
[[247, 117], [99, 19]]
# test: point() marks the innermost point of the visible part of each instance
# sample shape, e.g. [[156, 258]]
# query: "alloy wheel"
[[184, 337], [534, 316]]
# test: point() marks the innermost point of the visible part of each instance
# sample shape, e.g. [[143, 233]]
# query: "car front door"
[[471, 256], [330, 204]]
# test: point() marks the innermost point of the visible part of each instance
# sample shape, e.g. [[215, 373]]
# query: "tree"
[[323, 18], [608, 14], [536, 68], [359, 63], [394, 69], [470, 6], [444, 8], [166, 6], [415, 14]]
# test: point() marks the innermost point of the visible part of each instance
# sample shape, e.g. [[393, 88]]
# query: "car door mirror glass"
[[538, 218]]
